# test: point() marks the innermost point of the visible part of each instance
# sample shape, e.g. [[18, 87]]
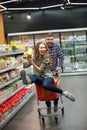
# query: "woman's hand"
[[30, 61], [29, 58]]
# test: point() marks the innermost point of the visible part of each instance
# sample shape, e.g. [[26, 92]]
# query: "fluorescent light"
[[3, 8], [23, 8], [8, 1], [47, 31], [68, 1], [47, 7], [62, 7], [78, 3]]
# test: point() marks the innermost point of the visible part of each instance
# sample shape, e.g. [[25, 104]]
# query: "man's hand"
[[59, 69]]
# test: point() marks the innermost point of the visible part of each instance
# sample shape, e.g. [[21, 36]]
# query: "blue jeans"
[[48, 83]]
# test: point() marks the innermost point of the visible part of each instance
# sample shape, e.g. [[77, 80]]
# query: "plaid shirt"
[[57, 56]]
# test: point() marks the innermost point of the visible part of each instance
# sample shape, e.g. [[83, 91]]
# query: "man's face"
[[49, 41]]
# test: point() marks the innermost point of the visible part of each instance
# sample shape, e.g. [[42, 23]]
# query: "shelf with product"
[[81, 51], [42, 37], [13, 93], [73, 42], [68, 50], [23, 41], [74, 46], [13, 105]]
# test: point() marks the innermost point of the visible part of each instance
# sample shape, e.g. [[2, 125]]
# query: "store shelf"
[[5, 121], [81, 46], [74, 74], [7, 69], [11, 53], [13, 93], [9, 82]]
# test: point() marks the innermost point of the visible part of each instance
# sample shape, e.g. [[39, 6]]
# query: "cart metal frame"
[[42, 111]]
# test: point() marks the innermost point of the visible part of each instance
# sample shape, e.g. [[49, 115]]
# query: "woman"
[[43, 75]]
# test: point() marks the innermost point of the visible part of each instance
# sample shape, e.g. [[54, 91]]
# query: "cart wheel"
[[56, 120], [39, 112], [62, 110], [43, 121]]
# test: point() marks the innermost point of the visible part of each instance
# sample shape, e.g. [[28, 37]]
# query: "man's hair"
[[49, 35]]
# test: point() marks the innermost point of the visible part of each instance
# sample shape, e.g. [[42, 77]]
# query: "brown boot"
[[49, 110], [55, 108]]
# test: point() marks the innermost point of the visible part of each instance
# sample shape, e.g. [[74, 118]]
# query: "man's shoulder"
[[55, 45]]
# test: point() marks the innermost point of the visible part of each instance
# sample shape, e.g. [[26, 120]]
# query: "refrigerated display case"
[[22, 40], [74, 46], [80, 51], [72, 41], [42, 37]]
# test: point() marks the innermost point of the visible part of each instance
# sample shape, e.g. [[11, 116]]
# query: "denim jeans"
[[48, 83]]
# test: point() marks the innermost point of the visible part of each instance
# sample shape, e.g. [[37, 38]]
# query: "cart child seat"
[[45, 95]]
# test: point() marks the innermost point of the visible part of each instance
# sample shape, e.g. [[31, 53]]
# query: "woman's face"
[[42, 49]]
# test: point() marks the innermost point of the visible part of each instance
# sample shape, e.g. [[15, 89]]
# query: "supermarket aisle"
[[75, 117]]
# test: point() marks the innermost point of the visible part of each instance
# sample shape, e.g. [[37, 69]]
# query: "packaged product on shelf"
[[8, 48], [0, 95], [3, 63], [19, 59], [4, 77], [14, 73], [17, 84], [2, 117], [13, 45], [2, 48]]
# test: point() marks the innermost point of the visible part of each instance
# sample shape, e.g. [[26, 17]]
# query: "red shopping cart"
[[44, 95]]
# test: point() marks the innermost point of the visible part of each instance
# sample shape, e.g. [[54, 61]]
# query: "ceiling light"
[[64, 3], [29, 16], [52, 6], [8, 1], [10, 16], [78, 3], [62, 7], [2, 8], [23, 8]]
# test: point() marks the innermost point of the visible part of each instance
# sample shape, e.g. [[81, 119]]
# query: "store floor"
[[75, 113]]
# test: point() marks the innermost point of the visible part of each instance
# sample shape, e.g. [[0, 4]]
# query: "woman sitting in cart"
[[42, 71]]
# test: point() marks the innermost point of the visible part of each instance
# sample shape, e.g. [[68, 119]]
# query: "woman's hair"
[[36, 51]]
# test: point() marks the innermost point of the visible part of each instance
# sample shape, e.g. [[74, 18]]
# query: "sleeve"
[[60, 56], [26, 64]]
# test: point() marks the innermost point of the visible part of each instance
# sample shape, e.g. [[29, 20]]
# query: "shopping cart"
[[44, 95]]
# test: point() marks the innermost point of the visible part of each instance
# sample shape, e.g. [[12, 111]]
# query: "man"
[[57, 64]]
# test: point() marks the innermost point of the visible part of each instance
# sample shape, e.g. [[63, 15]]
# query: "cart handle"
[[57, 76]]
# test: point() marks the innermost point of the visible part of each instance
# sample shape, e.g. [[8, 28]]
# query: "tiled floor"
[[75, 113]]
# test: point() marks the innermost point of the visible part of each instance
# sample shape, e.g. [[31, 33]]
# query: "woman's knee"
[[45, 85], [33, 77]]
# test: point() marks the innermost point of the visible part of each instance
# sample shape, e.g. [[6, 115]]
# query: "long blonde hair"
[[36, 51]]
